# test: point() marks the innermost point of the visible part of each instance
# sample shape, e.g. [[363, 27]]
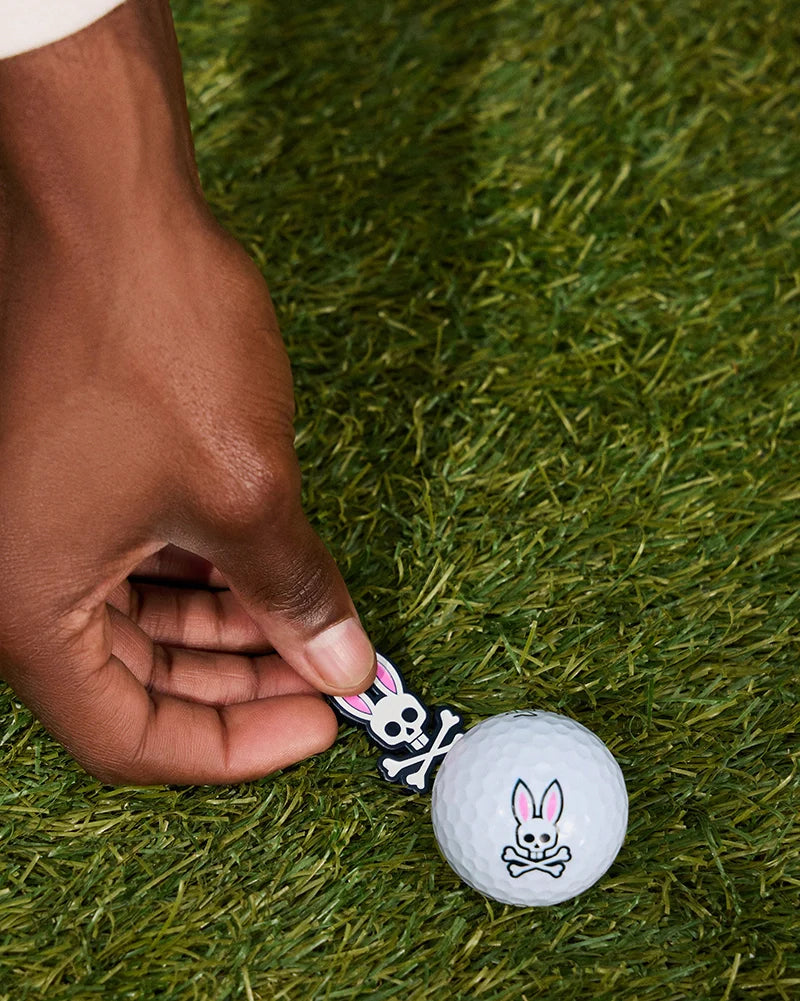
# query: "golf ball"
[[529, 808]]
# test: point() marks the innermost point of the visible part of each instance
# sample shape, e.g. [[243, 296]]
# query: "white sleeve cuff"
[[28, 24]]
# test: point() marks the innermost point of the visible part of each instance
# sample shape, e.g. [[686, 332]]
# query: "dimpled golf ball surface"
[[529, 808]]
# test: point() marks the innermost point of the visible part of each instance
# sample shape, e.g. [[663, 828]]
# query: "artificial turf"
[[537, 263]]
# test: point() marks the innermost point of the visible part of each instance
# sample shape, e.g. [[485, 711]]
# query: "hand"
[[146, 438]]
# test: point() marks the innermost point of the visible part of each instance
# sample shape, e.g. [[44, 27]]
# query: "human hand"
[[146, 438]]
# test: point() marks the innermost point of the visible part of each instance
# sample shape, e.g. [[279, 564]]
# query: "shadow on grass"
[[349, 176]]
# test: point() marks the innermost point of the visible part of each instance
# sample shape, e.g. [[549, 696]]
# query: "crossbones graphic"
[[553, 865], [414, 771]]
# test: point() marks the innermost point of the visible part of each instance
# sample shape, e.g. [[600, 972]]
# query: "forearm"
[[95, 126]]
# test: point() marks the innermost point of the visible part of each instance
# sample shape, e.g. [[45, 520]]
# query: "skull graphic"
[[397, 717]]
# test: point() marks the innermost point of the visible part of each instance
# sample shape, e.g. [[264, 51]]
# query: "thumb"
[[290, 585]]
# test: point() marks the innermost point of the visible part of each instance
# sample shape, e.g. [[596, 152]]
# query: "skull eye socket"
[[392, 729], [410, 715], [544, 838], [528, 838]]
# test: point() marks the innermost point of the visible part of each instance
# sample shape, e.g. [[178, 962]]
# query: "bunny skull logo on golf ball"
[[537, 832]]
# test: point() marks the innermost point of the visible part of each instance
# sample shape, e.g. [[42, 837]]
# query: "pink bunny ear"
[[522, 802], [385, 678], [388, 677], [552, 802], [357, 703], [356, 706]]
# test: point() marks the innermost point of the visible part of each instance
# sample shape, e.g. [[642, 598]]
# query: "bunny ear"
[[552, 802], [522, 802], [360, 707], [388, 678]]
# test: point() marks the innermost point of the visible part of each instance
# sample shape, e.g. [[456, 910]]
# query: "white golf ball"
[[529, 808]]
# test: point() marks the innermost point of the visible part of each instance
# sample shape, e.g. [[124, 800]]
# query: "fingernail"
[[342, 655]]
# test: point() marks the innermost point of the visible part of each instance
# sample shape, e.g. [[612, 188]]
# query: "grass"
[[537, 268]]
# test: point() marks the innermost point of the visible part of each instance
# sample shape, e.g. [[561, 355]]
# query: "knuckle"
[[110, 770], [304, 590], [256, 486], [132, 768], [115, 755], [106, 775]]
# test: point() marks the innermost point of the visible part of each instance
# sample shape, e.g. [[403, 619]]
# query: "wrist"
[[93, 129]]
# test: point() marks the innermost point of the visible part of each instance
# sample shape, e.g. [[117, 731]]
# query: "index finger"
[[122, 733]]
